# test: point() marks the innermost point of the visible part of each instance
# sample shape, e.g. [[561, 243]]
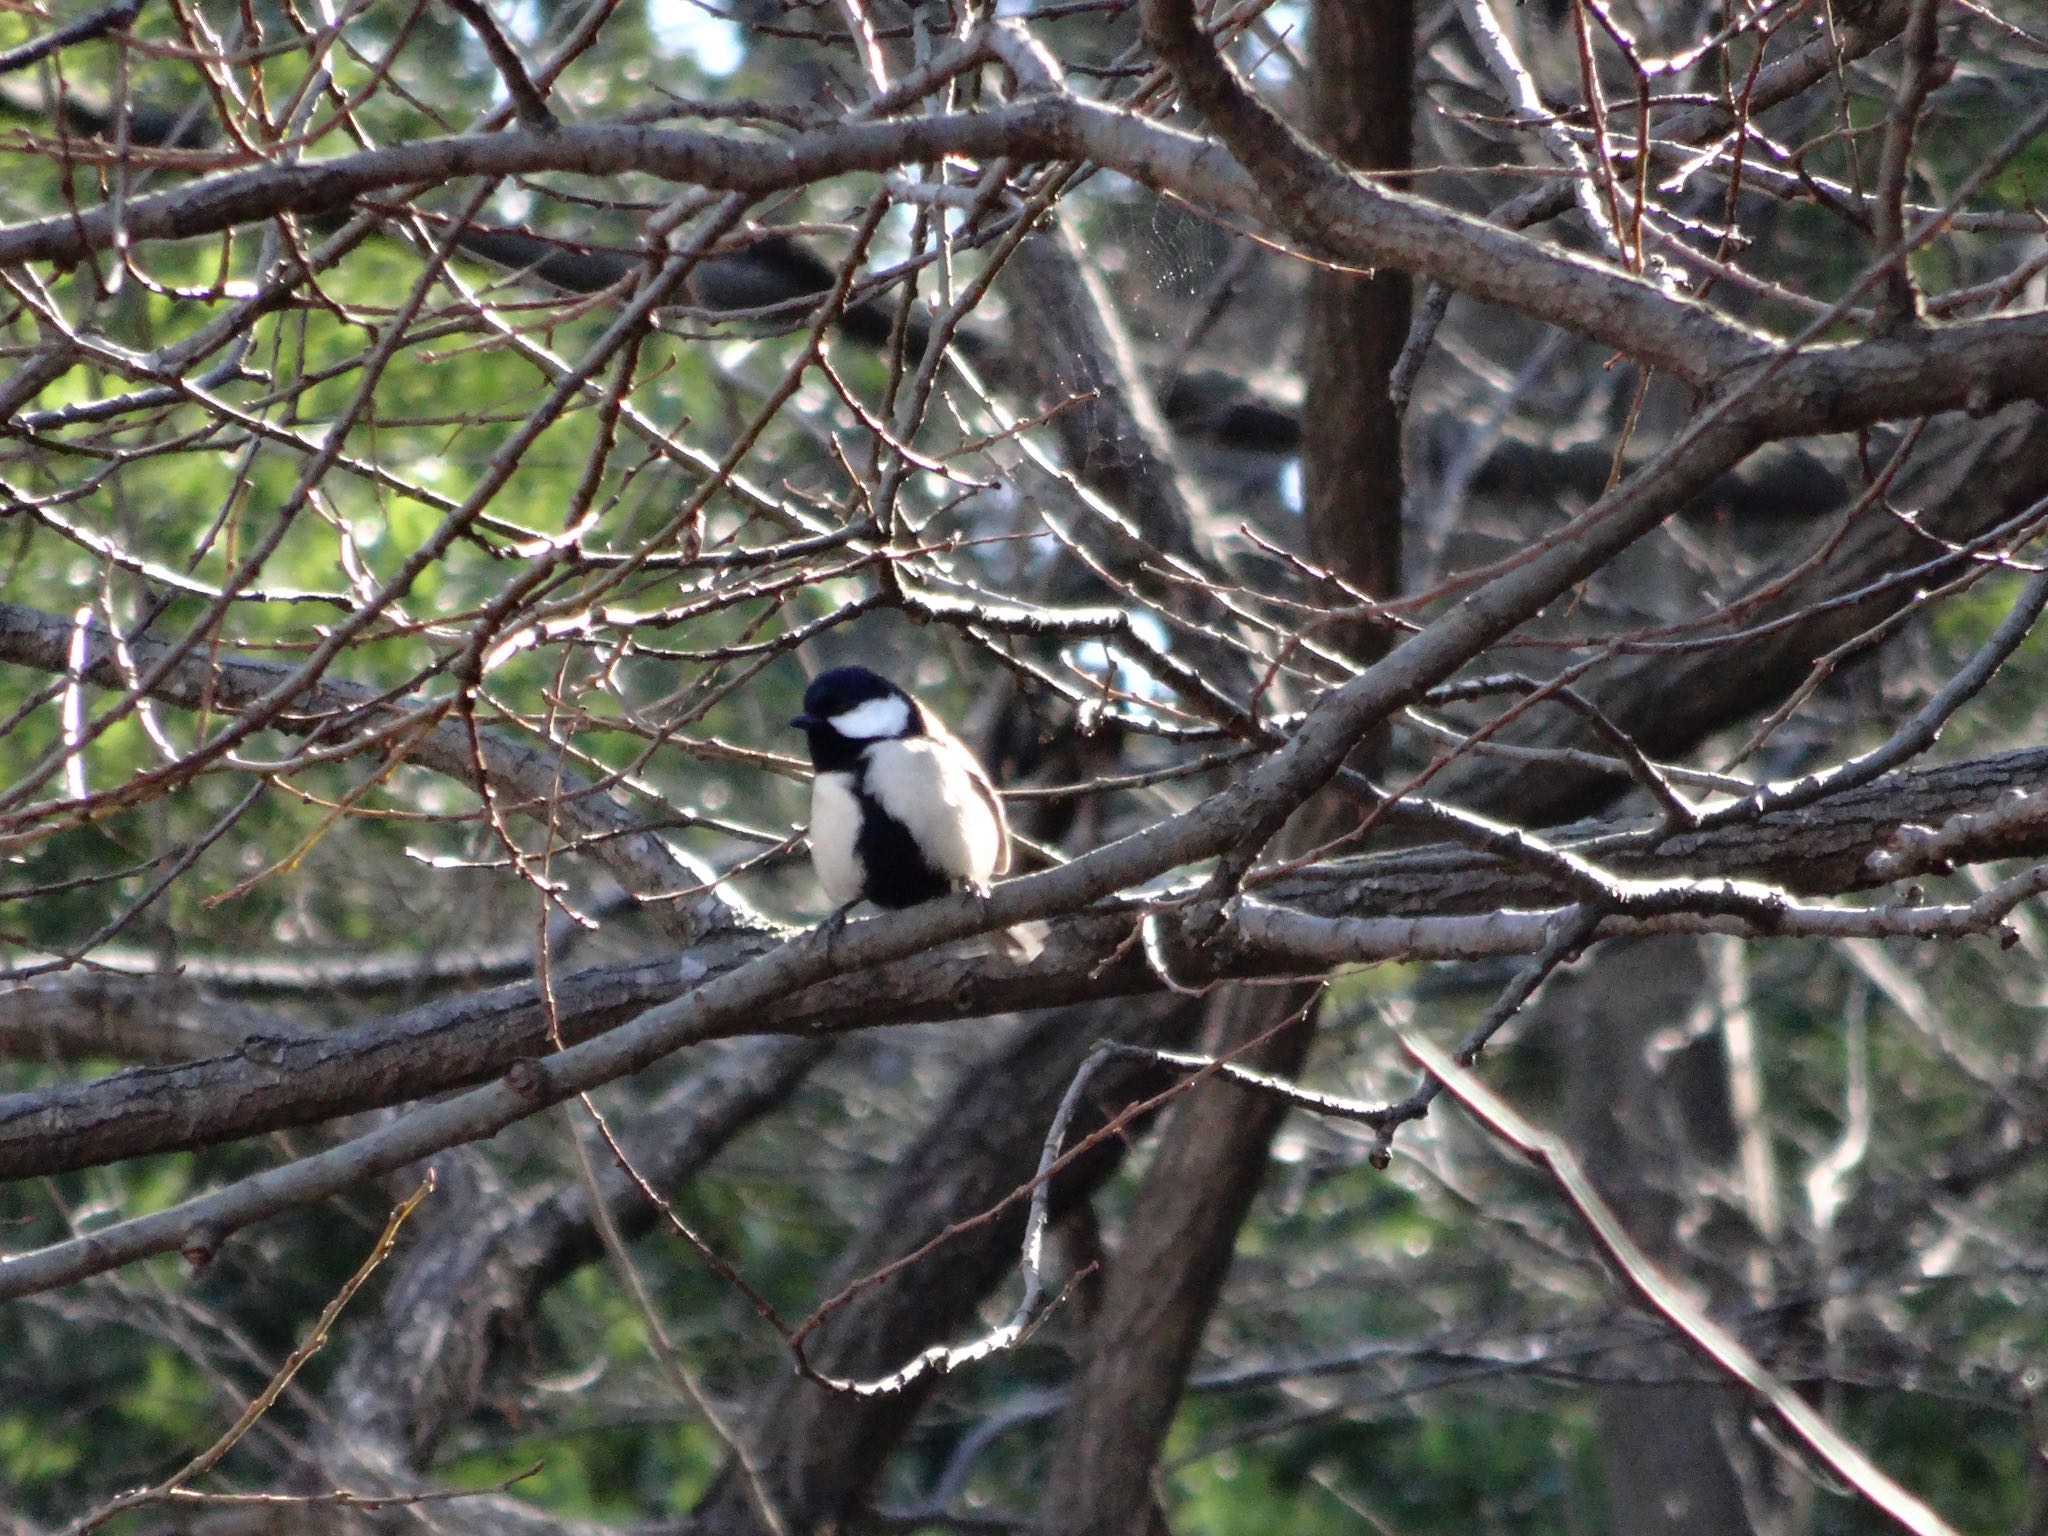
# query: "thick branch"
[[275, 1083], [1365, 224], [1980, 478]]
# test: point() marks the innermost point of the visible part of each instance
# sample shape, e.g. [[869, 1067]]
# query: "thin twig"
[[261, 1403], [113, 19]]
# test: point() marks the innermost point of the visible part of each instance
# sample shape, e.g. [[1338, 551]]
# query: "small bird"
[[900, 810]]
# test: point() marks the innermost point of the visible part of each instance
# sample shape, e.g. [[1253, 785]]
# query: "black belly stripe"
[[894, 871]]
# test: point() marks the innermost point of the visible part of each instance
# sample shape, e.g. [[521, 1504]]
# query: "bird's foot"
[[1021, 941], [832, 926]]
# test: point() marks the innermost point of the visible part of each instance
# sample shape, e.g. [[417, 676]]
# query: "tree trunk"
[[1163, 1285]]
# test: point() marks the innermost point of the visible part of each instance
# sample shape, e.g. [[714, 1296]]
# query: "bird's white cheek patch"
[[874, 720], [835, 829]]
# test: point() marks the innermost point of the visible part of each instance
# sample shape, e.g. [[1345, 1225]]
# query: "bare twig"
[[113, 18], [260, 1404]]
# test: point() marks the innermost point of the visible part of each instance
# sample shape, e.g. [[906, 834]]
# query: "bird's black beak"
[[804, 722]]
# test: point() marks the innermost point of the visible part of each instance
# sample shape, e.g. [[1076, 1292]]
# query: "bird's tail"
[[1024, 941], [1021, 943]]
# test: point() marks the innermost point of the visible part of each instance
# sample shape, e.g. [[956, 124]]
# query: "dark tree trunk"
[[1164, 1283]]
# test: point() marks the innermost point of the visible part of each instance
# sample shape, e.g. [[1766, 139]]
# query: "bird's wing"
[[986, 789], [934, 787]]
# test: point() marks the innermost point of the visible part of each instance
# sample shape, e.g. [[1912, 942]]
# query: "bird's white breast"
[[835, 830]]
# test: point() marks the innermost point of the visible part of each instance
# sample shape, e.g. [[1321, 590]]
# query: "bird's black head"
[[849, 707]]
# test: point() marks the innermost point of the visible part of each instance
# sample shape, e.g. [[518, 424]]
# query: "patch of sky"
[[892, 241], [1273, 66], [513, 203], [1102, 660], [524, 21], [1291, 496], [708, 39]]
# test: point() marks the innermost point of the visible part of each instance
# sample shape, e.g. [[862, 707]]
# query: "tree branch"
[[1937, 818], [1358, 223]]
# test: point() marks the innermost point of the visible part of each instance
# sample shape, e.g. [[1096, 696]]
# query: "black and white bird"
[[900, 810]]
